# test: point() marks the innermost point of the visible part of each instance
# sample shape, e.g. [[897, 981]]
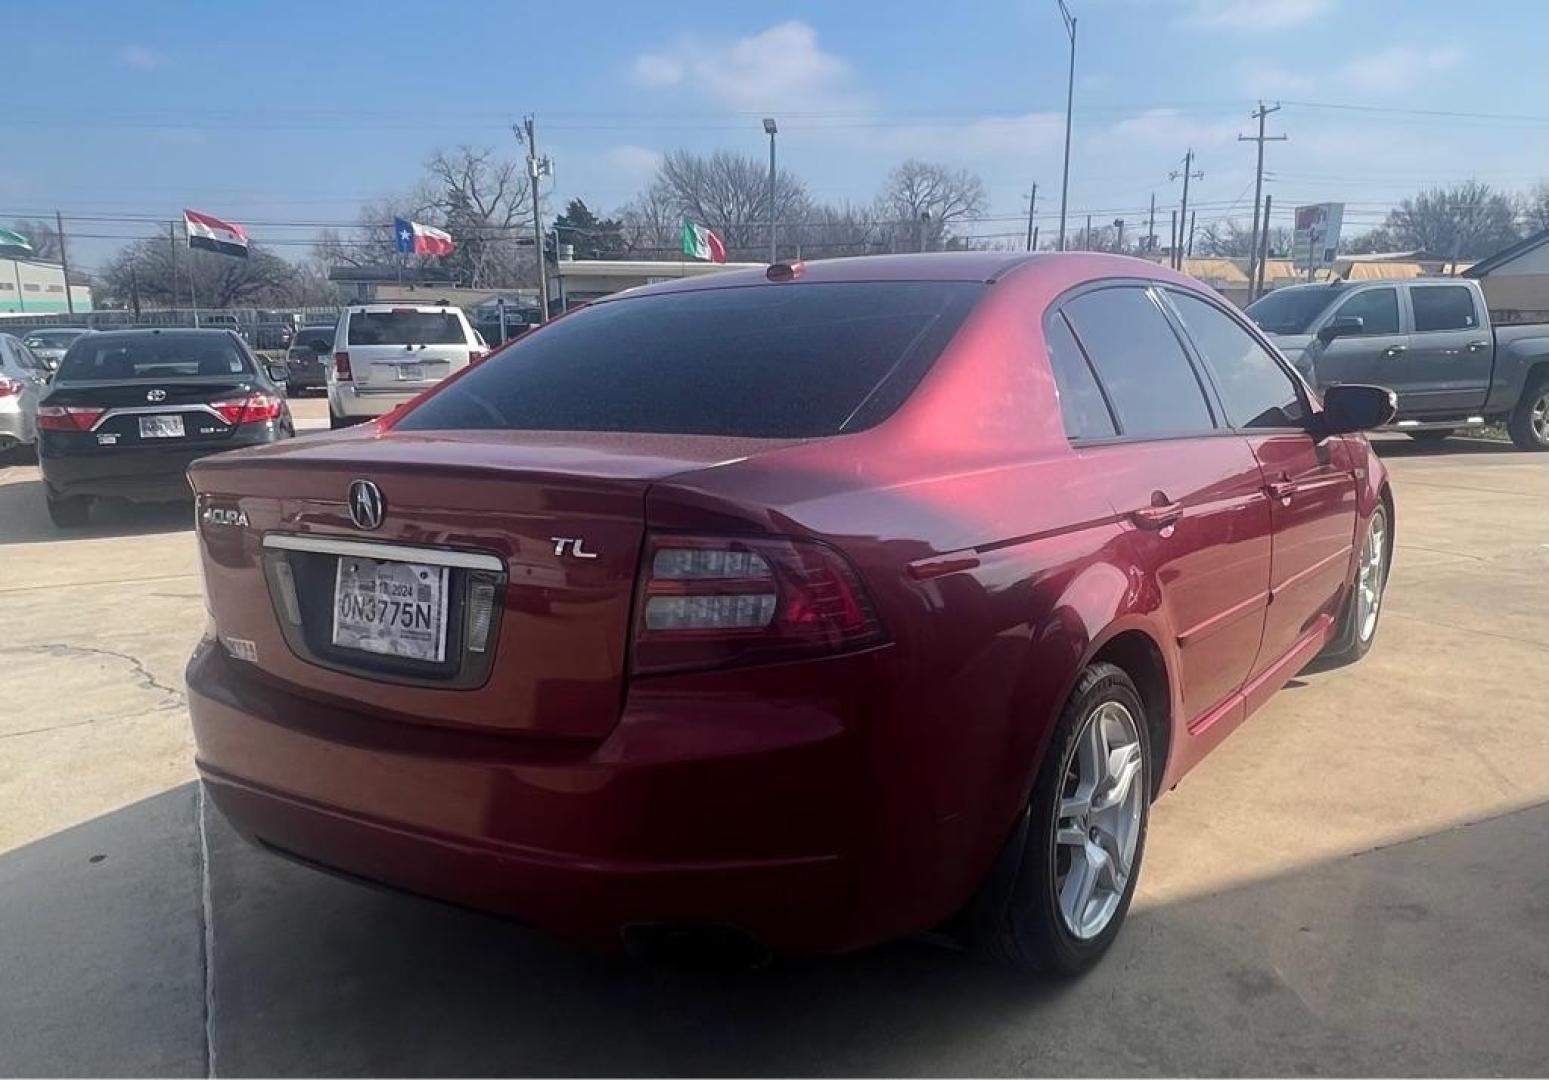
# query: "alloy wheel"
[[1371, 576], [1097, 827], [1538, 418]]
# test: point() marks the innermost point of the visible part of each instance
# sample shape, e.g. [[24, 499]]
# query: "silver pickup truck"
[[1430, 339]]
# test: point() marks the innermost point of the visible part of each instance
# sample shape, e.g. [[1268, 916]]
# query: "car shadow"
[[1404, 446], [24, 517], [1422, 956]]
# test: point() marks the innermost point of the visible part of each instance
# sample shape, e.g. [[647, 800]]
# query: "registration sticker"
[[391, 608]]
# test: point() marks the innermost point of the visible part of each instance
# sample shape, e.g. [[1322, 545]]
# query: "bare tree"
[[485, 203], [1466, 221], [41, 235], [652, 224], [148, 268], [727, 191], [1232, 239], [925, 202], [1534, 207]]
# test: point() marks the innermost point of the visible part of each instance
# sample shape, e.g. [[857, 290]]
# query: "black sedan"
[[128, 411]]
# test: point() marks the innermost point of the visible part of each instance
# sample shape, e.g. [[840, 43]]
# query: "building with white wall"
[[34, 287]]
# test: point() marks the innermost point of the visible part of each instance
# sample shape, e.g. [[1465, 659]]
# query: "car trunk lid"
[[551, 525]]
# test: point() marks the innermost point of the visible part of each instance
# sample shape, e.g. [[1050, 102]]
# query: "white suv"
[[385, 354]]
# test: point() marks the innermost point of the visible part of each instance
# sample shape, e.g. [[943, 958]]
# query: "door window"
[[1139, 362], [1255, 389], [1443, 307], [1377, 308], [1082, 406]]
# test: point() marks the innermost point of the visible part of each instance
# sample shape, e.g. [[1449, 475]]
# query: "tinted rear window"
[[316, 340], [151, 356], [51, 339], [406, 328], [780, 361], [1442, 307]]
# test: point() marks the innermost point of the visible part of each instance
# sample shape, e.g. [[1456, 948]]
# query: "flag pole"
[[192, 296]]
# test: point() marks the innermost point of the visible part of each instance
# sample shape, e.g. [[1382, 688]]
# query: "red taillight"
[[477, 357], [67, 417], [9, 387], [719, 601], [252, 409], [341, 367]]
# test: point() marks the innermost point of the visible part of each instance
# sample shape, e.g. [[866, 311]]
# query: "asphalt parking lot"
[[1355, 883]]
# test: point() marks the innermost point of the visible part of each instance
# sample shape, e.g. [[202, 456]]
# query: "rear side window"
[[1443, 307], [1138, 359], [1255, 389], [773, 361], [149, 355], [406, 328], [1082, 406]]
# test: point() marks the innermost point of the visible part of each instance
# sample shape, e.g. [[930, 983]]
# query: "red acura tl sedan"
[[815, 606]]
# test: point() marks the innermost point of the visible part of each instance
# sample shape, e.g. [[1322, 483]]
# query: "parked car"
[[307, 359], [1430, 339], [818, 605], [128, 410], [385, 354], [48, 343], [22, 379]]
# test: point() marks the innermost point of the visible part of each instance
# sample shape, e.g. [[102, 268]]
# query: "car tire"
[[1529, 423], [292, 390], [1358, 621], [335, 421], [1435, 435], [1046, 926], [68, 511]]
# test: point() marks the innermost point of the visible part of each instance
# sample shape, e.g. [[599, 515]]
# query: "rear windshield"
[[782, 361], [316, 340], [151, 356], [406, 328], [1290, 311]]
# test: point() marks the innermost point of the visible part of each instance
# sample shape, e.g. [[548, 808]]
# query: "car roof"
[[165, 331], [981, 266], [372, 309]]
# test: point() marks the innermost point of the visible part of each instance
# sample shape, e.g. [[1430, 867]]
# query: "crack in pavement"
[[143, 673]]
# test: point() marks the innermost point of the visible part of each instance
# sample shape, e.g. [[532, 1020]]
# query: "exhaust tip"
[[701, 947]]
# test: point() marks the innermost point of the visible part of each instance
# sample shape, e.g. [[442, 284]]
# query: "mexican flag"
[[17, 240], [701, 242]]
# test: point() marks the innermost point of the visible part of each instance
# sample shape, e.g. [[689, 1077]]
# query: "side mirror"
[[1352, 407], [1343, 326], [277, 373]]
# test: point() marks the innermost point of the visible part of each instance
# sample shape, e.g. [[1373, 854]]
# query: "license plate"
[[391, 608], [411, 372], [161, 427]]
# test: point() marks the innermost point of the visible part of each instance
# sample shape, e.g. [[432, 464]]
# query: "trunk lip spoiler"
[[385, 549]]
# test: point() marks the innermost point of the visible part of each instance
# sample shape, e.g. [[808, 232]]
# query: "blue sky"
[[290, 112]]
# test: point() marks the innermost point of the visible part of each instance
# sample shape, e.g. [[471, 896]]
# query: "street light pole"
[[770, 129], [1070, 92]]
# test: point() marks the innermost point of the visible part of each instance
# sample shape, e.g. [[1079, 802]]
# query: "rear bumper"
[[15, 426], [154, 474], [308, 375], [347, 399], [688, 819]]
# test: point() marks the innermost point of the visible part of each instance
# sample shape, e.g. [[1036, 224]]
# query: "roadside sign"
[[1317, 235]]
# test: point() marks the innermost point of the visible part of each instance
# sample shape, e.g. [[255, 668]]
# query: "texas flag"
[[412, 238]]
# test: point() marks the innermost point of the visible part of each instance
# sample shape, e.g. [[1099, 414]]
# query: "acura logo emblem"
[[156, 395], [366, 504]]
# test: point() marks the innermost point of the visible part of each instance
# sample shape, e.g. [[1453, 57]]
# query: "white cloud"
[[782, 67], [1255, 14], [1401, 67], [1167, 128], [635, 163], [139, 57]]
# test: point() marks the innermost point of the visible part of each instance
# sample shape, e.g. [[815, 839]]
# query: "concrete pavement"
[[1354, 883]]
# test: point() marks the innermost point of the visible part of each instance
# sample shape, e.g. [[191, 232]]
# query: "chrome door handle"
[[1475, 346], [1281, 490], [1157, 517], [1393, 350]]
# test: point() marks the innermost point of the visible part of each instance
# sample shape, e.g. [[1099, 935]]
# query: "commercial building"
[[1516, 280], [34, 287], [572, 281]]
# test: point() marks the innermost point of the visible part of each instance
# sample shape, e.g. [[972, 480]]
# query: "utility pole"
[[1032, 201], [1172, 242], [1034, 246], [64, 261], [1118, 223], [172, 245], [1151, 226], [1183, 211], [1070, 93], [1086, 237], [1188, 249], [1264, 243], [537, 167], [1258, 189]]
